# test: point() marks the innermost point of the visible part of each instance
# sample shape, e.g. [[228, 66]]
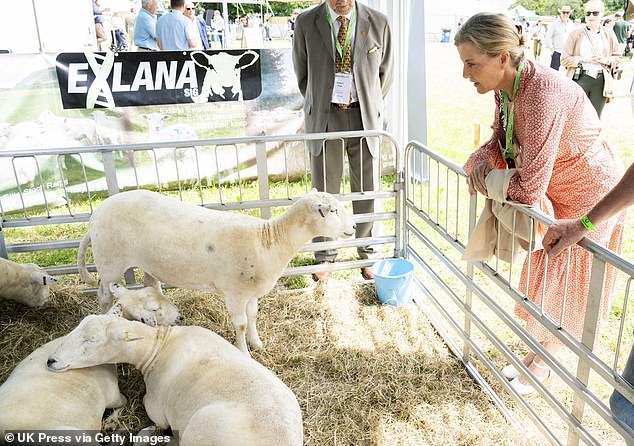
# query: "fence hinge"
[[399, 182]]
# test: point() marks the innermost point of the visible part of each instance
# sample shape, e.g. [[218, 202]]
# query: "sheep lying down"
[[190, 246], [197, 383], [24, 282], [34, 398], [146, 305]]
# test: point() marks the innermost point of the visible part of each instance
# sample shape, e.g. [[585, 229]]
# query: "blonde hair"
[[492, 34]]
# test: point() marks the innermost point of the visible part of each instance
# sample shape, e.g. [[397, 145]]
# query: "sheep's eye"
[[336, 211]]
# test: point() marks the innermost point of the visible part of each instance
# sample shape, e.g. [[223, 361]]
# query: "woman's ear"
[[505, 58]]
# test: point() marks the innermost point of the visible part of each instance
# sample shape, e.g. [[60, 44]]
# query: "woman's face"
[[486, 72]]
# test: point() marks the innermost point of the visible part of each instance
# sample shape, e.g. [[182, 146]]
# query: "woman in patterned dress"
[[565, 165]]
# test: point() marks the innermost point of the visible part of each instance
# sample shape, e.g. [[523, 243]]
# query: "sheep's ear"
[[322, 208], [114, 288], [42, 278]]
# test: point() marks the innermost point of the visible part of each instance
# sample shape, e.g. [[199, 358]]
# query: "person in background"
[[291, 23], [267, 27], [545, 127], [537, 33], [199, 23], [100, 31], [355, 51], [218, 25], [145, 27], [174, 31], [129, 20], [557, 34], [622, 31], [590, 55]]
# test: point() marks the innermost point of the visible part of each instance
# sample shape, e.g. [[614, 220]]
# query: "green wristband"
[[585, 221]]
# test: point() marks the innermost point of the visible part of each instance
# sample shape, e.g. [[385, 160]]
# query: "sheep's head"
[[35, 292], [330, 217], [91, 343], [146, 305]]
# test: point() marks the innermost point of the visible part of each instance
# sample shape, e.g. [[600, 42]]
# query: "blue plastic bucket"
[[393, 278]]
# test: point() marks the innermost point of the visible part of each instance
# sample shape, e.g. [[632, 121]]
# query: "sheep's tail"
[[81, 261]]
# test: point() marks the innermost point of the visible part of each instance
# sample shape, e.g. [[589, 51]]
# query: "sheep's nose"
[[354, 226], [50, 362]]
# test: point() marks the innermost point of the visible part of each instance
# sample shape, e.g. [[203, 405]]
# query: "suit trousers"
[[327, 171]]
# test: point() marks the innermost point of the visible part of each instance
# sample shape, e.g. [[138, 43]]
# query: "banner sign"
[[94, 80]]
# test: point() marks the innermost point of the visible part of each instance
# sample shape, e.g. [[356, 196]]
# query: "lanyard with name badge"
[[509, 151], [341, 50], [342, 88]]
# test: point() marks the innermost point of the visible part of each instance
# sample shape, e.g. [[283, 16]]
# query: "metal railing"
[[212, 173], [470, 304]]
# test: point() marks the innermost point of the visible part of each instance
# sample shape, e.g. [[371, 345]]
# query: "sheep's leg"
[[237, 310], [104, 295], [151, 281], [252, 331]]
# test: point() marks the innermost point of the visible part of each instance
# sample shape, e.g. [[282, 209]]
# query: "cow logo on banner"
[[93, 80]]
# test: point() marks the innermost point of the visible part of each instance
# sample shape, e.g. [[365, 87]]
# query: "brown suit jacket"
[[314, 62]]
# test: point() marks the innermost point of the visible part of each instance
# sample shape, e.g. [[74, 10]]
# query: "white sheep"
[[196, 382], [146, 305], [190, 246], [24, 282], [34, 398]]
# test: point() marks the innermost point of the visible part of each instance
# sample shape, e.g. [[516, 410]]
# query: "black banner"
[[107, 80]]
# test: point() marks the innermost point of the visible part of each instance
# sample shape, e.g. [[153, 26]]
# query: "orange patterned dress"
[[567, 166]]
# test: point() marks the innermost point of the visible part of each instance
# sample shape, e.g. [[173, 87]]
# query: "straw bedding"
[[363, 373]]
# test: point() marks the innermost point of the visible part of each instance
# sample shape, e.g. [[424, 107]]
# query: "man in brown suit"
[[342, 54]]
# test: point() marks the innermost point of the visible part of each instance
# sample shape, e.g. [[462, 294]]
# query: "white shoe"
[[527, 389], [510, 372]]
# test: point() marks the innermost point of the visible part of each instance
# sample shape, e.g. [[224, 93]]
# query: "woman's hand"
[[476, 180]]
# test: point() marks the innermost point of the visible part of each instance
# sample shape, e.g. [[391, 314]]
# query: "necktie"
[[343, 65]]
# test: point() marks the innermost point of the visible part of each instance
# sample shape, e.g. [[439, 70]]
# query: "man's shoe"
[[322, 275], [366, 272]]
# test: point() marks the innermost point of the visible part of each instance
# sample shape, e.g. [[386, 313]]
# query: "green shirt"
[[620, 29]]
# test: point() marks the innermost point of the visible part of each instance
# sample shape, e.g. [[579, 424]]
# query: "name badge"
[[342, 88]]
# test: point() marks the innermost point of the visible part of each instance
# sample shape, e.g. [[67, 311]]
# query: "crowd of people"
[[134, 30]]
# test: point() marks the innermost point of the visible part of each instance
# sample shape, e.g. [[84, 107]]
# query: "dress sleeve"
[[489, 152], [539, 131]]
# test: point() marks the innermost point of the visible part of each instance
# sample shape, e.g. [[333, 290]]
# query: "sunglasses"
[[594, 13], [565, 12], [190, 9]]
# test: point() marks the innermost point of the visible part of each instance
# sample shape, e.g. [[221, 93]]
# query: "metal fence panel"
[[471, 304]]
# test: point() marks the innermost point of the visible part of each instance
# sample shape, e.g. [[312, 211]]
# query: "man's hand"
[[562, 234], [476, 180]]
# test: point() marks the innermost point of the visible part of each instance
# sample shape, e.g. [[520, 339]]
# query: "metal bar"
[[263, 177]]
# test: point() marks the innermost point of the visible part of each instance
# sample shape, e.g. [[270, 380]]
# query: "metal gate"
[[471, 306], [47, 187]]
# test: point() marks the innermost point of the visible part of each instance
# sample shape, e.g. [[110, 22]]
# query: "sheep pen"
[[363, 373]]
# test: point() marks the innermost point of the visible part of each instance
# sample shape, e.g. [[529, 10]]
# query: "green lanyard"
[[509, 151], [340, 50]]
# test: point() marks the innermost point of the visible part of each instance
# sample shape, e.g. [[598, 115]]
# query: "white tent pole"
[[225, 34]]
